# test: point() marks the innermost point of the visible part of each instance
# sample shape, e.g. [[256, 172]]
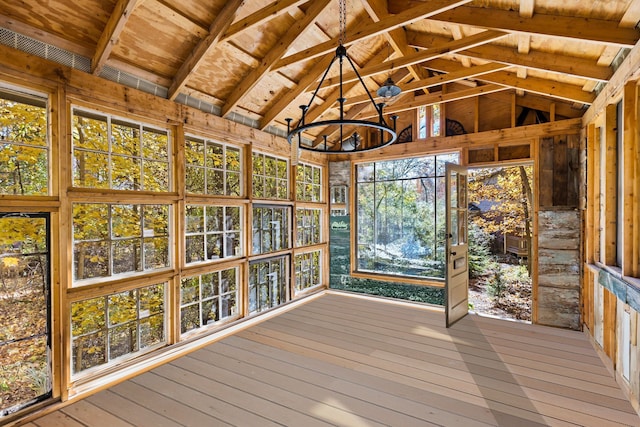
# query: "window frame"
[[262, 177], [259, 234], [110, 154], [237, 252], [218, 296], [283, 287], [224, 169]]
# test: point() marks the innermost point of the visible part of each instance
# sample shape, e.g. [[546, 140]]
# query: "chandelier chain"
[[343, 22]]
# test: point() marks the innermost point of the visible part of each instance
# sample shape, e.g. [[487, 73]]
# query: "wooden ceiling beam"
[[111, 33], [271, 11], [454, 76], [421, 56], [575, 28], [268, 62], [540, 86], [377, 10], [575, 66], [439, 98], [193, 61], [291, 95], [368, 30]]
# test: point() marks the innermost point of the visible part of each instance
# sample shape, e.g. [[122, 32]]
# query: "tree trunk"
[[528, 195]]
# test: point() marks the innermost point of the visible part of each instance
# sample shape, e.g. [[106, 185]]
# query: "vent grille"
[[44, 50]]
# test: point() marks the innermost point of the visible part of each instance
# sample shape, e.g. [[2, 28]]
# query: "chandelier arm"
[[324, 76], [378, 108]]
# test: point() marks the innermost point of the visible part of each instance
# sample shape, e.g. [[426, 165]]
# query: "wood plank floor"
[[356, 361]]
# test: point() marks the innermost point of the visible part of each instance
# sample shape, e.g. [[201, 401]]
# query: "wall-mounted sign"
[[339, 225]]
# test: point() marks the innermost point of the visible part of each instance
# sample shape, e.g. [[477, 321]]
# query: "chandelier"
[[345, 135]]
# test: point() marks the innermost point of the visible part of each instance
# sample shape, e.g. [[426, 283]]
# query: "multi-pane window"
[[212, 232], [270, 228], [208, 298], [109, 327], [401, 216], [308, 183], [307, 270], [24, 146], [267, 283], [112, 239], [212, 167], [270, 177], [307, 227], [119, 154]]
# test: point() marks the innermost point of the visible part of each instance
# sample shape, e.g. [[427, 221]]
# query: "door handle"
[[453, 253]]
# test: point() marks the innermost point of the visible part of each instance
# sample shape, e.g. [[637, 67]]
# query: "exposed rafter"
[[422, 56], [258, 17], [111, 33], [370, 30], [267, 64], [583, 29], [216, 30], [576, 66]]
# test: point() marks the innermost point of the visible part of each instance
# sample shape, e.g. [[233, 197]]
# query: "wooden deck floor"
[[352, 361]]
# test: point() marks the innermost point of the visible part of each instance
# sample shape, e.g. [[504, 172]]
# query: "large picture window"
[[401, 216], [212, 232], [270, 177], [24, 145], [270, 228], [213, 168], [267, 283], [208, 298], [112, 239], [107, 328], [118, 154]]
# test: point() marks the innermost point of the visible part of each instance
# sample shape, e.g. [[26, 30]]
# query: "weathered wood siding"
[[559, 232], [559, 268]]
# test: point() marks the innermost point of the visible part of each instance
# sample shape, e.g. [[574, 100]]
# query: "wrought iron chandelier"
[[352, 135]]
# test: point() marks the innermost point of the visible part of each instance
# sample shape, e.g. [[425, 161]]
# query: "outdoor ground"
[[514, 302]]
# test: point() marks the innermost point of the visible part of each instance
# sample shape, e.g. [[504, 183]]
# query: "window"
[[308, 227], [338, 198], [24, 144], [267, 283], [110, 327], [208, 298], [270, 228], [117, 154], [270, 177], [401, 216], [429, 120], [112, 239], [435, 120], [308, 183], [212, 168], [212, 232], [307, 270]]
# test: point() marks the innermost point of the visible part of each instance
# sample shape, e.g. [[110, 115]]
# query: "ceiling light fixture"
[[389, 90], [352, 135]]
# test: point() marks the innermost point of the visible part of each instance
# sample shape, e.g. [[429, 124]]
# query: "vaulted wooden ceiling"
[[261, 59]]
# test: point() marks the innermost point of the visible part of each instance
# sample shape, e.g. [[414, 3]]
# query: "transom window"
[[213, 168], [308, 183], [270, 177], [24, 144], [267, 283], [270, 228], [112, 239], [307, 227], [401, 216], [307, 270], [212, 232], [118, 154], [208, 298], [109, 327]]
